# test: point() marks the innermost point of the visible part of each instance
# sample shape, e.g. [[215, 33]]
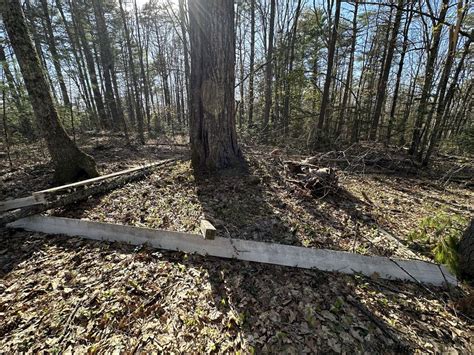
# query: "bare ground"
[[60, 293]]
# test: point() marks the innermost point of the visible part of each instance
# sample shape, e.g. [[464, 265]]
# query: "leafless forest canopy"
[[307, 73], [331, 139]]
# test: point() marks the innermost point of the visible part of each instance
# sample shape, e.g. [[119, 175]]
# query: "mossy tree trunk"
[[212, 38], [70, 162]]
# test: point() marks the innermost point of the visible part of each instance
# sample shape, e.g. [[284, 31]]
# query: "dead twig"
[[71, 317], [385, 330]]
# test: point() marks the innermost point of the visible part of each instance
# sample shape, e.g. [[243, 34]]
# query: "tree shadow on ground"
[[266, 308], [238, 204], [271, 308], [289, 305]]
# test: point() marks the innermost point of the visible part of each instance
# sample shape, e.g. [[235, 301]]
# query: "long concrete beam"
[[268, 253]]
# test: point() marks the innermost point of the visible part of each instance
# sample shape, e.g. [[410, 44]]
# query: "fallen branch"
[[70, 319], [381, 325]]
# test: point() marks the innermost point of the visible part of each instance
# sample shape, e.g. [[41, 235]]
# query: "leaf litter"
[[69, 294]]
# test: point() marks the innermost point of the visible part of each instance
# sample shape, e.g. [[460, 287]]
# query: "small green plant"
[[441, 233]]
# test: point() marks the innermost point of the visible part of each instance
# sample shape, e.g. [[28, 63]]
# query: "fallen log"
[[67, 194], [268, 253]]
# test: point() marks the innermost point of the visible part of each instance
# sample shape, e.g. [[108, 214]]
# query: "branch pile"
[[361, 159], [319, 181]]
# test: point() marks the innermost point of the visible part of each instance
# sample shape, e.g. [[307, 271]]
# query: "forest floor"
[[59, 293]]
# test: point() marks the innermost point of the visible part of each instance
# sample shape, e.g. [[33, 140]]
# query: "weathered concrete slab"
[[293, 256]]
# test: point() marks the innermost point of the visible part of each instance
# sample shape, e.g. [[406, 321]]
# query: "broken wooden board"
[[278, 254], [208, 230], [19, 203], [62, 195], [64, 188]]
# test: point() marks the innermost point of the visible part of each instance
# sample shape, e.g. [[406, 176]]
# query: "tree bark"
[[37, 42], [241, 105], [387, 64], [408, 105], [184, 32], [70, 162], [212, 129], [399, 75], [26, 128], [251, 64], [163, 67], [133, 74], [146, 91], [108, 67], [75, 46], [54, 53], [291, 59], [445, 100], [466, 253], [79, 27], [348, 83], [327, 82], [427, 85], [269, 72]]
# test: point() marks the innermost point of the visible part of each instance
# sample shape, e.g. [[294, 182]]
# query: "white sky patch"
[[140, 3]]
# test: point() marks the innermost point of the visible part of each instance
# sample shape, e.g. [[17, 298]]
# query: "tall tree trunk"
[[146, 91], [291, 59], [212, 130], [251, 64], [408, 104], [37, 43], [75, 45], [269, 72], [130, 101], [184, 35], [399, 75], [355, 129], [387, 65], [178, 100], [5, 128], [54, 53], [163, 67], [133, 74], [427, 85], [444, 101], [241, 106], [328, 79], [348, 82], [465, 103], [26, 129], [77, 20], [108, 67], [429, 138], [70, 162]]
